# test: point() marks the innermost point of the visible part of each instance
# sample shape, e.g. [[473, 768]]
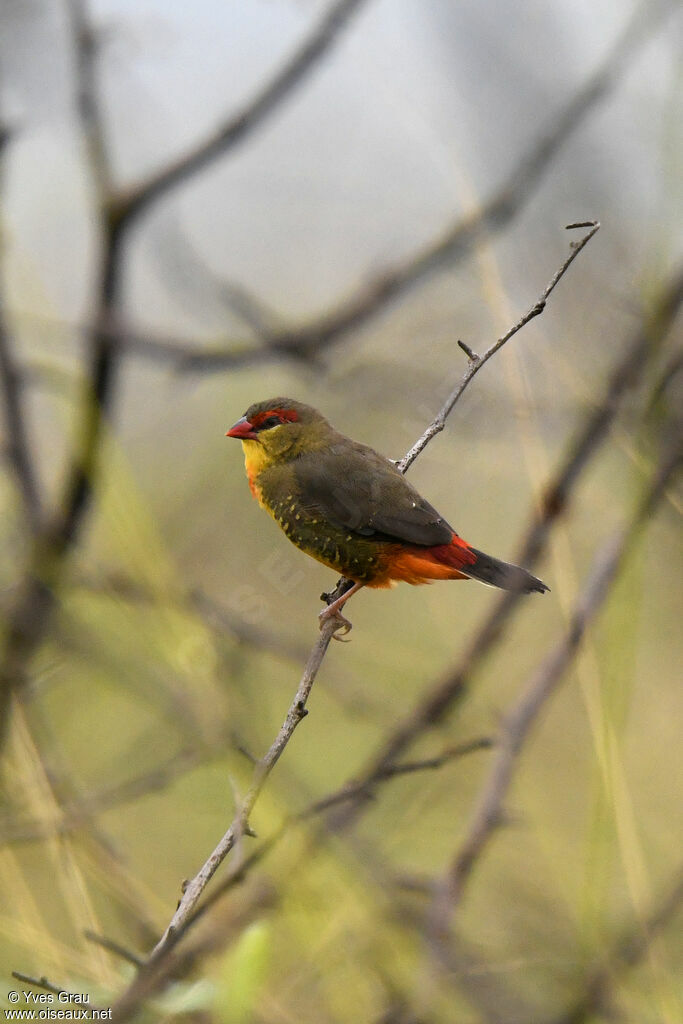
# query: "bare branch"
[[476, 362], [42, 982], [114, 947], [132, 202], [17, 447], [452, 244], [153, 975]]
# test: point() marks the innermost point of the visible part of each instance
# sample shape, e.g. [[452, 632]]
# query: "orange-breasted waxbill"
[[347, 506]]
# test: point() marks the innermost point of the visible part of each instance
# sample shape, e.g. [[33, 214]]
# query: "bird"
[[349, 507]]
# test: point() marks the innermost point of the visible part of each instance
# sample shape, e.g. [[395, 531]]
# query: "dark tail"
[[491, 570]]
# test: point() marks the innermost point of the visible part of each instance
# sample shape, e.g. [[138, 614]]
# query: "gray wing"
[[358, 489]]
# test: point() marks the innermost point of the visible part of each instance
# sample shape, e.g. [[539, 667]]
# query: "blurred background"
[[206, 205]]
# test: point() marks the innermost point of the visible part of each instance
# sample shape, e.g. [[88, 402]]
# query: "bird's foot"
[[342, 626], [335, 603]]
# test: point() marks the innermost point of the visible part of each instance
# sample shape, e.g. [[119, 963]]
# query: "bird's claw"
[[342, 626]]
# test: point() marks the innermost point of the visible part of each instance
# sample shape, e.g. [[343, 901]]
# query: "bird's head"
[[276, 429]]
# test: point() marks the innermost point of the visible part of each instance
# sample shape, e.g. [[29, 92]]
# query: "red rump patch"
[[457, 554], [413, 564], [285, 415]]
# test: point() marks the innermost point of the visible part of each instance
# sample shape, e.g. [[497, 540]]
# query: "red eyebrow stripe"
[[288, 415]]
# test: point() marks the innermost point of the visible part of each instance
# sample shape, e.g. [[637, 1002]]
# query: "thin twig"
[[476, 362], [114, 947], [41, 982]]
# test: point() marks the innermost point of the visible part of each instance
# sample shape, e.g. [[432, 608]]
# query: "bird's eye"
[[270, 421]]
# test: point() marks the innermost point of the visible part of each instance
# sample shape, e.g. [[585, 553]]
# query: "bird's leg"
[[333, 610]]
